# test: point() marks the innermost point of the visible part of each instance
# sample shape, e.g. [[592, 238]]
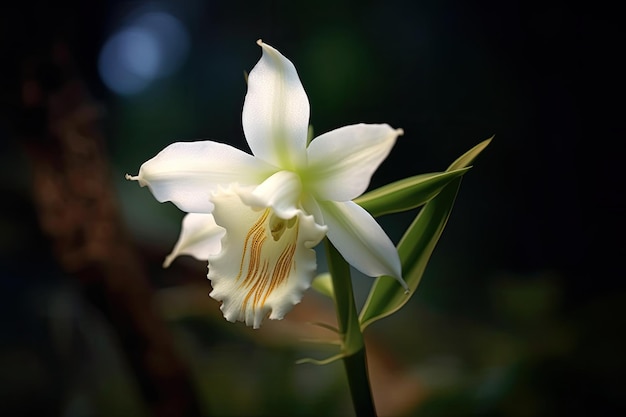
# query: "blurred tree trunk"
[[58, 123]]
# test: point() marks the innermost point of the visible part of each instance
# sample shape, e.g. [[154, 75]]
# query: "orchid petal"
[[199, 237], [360, 240], [276, 111], [342, 161], [266, 263], [281, 192], [186, 173], [311, 206]]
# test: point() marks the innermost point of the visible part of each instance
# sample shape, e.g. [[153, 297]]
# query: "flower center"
[[266, 263]]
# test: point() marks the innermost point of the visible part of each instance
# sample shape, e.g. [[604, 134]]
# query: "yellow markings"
[[264, 271], [281, 269], [256, 233]]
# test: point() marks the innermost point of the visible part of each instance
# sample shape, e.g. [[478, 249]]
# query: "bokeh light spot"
[[153, 45]]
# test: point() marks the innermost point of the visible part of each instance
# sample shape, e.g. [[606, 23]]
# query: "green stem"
[[355, 361]]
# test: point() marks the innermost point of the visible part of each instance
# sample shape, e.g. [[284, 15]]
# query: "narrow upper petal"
[[199, 237], [276, 111], [186, 173], [361, 240], [266, 263], [342, 161]]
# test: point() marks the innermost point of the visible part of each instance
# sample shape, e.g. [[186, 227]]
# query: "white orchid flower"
[[256, 218]]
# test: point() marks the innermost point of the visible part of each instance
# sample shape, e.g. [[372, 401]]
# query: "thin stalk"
[[355, 360]]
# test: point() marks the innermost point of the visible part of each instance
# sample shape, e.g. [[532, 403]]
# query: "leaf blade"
[[468, 157], [416, 246], [408, 193], [415, 249]]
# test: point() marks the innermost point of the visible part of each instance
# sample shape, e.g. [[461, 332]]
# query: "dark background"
[[520, 312]]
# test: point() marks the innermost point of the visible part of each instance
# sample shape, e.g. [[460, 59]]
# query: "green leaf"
[[408, 193], [468, 157], [416, 247], [322, 361]]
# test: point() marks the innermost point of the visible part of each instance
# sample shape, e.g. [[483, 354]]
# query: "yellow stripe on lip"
[[269, 261]]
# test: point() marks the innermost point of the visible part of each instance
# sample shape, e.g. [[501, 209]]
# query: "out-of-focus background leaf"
[[520, 311]]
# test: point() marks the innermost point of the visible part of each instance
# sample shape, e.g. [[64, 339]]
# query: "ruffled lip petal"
[[361, 240], [266, 263], [342, 161], [275, 114], [186, 173], [200, 237]]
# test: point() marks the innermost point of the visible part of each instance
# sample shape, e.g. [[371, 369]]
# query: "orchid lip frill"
[[256, 218]]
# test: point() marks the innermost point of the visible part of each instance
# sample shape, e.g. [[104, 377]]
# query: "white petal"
[[281, 192], [311, 207], [199, 237], [361, 240], [266, 263], [186, 173], [276, 111], [342, 161]]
